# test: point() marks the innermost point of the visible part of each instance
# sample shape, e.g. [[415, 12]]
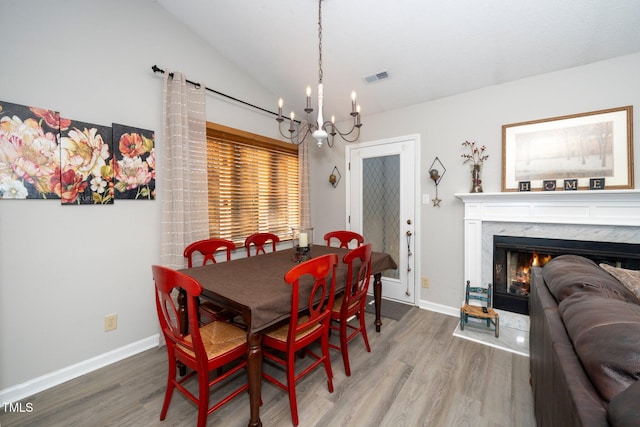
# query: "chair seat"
[[281, 333], [218, 338], [476, 311], [337, 304]]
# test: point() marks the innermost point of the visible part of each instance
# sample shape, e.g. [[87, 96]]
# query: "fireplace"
[[599, 216], [514, 256]]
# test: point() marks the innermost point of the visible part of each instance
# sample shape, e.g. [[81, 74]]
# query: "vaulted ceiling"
[[430, 48]]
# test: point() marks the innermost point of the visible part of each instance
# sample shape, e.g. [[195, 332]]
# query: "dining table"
[[254, 288]]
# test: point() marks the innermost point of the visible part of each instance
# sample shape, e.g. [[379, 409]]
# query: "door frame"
[[416, 271]]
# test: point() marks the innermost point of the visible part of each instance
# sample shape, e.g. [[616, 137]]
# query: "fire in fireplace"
[[514, 256]]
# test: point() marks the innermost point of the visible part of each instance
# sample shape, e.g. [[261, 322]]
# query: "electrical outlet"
[[110, 322], [425, 282]]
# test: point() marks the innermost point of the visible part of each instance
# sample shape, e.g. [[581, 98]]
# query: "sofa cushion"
[[624, 410], [629, 278], [606, 336], [569, 275]]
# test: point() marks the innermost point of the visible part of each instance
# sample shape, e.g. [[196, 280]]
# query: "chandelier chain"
[[320, 41]]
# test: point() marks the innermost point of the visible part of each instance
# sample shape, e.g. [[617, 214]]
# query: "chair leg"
[[461, 322], [363, 330], [327, 357], [171, 376], [291, 386], [344, 348], [203, 398], [497, 327]]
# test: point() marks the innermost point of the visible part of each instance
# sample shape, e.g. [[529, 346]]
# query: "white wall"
[[63, 268], [477, 116]]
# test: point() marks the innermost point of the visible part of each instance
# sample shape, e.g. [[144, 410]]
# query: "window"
[[253, 184]]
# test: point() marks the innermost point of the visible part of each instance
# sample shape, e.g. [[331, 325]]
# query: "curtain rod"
[[157, 69]]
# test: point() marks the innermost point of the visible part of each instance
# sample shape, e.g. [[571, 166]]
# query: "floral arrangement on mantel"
[[476, 159], [477, 156]]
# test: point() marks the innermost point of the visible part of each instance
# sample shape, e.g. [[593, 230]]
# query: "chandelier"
[[319, 129]]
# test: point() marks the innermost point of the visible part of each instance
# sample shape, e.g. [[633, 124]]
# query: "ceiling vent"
[[377, 76]]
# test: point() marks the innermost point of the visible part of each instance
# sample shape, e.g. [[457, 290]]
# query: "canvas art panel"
[[134, 165], [29, 152], [86, 156]]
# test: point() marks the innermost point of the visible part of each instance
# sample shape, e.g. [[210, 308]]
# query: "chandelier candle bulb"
[[308, 109], [353, 102], [291, 128], [280, 104]]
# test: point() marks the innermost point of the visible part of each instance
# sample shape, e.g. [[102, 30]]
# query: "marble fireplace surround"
[[605, 215]]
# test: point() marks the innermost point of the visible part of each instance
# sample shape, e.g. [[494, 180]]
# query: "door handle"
[[409, 233], [409, 253]]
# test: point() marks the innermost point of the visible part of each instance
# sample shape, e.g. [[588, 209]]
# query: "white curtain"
[[304, 198], [185, 216]]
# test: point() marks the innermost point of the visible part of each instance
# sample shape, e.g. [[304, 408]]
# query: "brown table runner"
[[256, 284]]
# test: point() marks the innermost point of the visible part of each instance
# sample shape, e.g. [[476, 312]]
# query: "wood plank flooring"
[[417, 374]]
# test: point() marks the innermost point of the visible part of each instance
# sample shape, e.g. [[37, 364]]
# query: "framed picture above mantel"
[[597, 144]]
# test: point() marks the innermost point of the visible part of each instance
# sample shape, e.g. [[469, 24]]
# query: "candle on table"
[[303, 240]]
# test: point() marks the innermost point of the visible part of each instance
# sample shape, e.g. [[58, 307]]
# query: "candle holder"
[[302, 241]]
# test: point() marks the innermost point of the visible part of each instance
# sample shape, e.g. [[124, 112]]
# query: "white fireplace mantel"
[[603, 207]]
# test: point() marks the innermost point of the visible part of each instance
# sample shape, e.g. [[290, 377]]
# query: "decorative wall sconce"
[[436, 172], [335, 176]]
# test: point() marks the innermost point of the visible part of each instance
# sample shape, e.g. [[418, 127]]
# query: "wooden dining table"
[[255, 289]]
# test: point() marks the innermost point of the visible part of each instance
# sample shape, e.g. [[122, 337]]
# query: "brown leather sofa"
[[584, 346]]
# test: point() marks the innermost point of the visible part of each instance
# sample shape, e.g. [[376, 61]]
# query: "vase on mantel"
[[476, 178]]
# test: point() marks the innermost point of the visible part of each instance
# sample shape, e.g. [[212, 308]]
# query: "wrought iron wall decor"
[[334, 177], [436, 172]]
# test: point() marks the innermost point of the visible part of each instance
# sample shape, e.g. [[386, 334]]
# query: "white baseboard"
[[36, 385], [440, 308]]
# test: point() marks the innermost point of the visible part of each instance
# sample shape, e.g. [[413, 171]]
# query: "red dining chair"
[[344, 237], [352, 301], [208, 248], [259, 240], [304, 329], [202, 349]]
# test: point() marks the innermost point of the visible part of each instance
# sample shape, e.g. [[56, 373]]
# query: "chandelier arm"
[[355, 138], [298, 136], [332, 129]]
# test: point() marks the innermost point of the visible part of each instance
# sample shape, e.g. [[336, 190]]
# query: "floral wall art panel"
[[86, 154], [134, 165], [29, 152]]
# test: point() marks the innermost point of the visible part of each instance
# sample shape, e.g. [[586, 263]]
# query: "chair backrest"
[[478, 293], [171, 320], [322, 270], [259, 240], [344, 237], [208, 248], [358, 261]]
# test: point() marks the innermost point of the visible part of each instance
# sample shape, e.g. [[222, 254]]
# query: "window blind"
[[253, 184]]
